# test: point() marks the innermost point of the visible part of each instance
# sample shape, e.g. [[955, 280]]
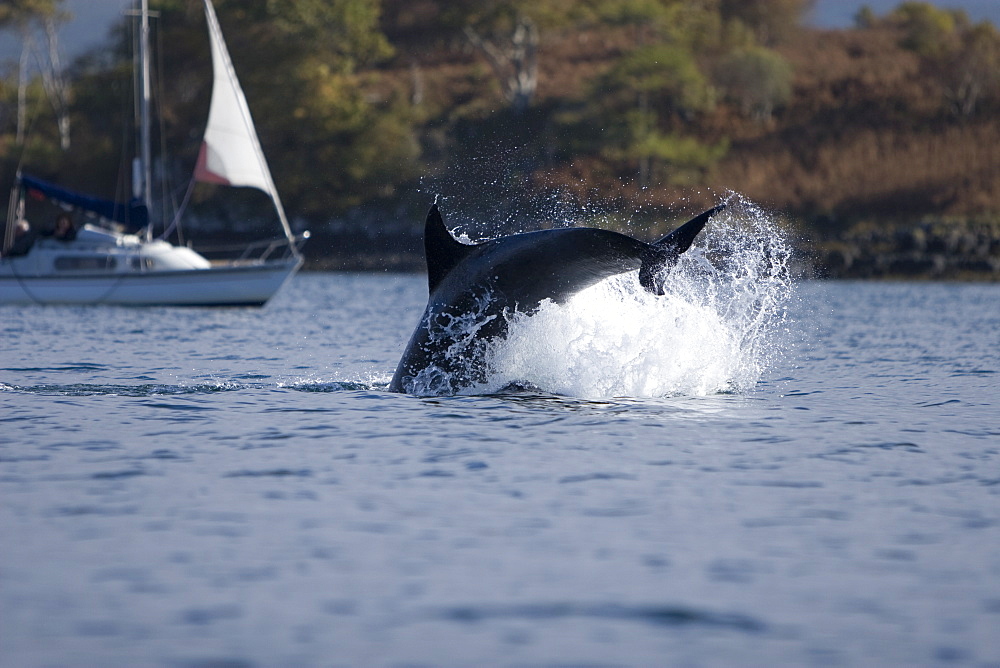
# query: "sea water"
[[752, 471]]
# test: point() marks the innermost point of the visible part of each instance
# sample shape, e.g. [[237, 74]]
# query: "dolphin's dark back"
[[525, 269], [474, 288]]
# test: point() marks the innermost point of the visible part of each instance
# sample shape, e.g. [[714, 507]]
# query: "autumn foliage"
[[635, 104]]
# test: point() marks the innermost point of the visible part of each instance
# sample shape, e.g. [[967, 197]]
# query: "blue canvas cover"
[[132, 214]]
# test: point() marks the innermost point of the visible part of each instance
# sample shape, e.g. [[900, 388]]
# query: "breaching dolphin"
[[475, 288]]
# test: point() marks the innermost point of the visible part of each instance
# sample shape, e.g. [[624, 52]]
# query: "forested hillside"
[[881, 136]]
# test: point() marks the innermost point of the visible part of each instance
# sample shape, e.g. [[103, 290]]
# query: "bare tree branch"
[[515, 62]]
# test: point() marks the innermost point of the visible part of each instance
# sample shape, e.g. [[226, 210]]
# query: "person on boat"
[[65, 229], [24, 237]]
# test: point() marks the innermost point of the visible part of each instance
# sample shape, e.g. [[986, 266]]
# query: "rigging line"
[[15, 209], [175, 223], [13, 264], [167, 193], [123, 190], [114, 286], [20, 282], [123, 183]]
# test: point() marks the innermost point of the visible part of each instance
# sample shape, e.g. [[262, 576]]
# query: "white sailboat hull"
[[226, 285]]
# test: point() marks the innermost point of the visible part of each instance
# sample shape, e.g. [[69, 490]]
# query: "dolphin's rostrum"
[[475, 288]]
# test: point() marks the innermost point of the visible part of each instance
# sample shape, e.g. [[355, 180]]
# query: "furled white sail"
[[230, 152]]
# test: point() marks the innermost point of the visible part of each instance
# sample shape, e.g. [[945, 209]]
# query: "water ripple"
[[660, 615], [120, 390]]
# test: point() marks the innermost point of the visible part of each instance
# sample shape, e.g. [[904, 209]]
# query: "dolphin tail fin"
[[665, 252], [441, 249]]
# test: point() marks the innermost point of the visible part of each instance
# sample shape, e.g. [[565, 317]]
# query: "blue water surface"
[[233, 487]]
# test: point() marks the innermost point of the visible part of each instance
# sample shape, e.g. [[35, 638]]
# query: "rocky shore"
[[931, 250], [935, 250]]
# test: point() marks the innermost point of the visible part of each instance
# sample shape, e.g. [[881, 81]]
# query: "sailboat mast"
[[145, 143]]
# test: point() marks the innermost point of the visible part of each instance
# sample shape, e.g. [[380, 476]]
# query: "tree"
[[771, 21], [644, 102], [963, 58], [667, 74], [972, 71], [757, 79], [514, 60], [927, 30], [19, 12], [695, 26], [507, 33], [865, 17], [28, 17]]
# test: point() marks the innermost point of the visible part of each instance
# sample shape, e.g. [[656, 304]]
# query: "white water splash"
[[717, 329]]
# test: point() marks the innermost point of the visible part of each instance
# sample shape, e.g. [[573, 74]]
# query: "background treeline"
[[624, 110]]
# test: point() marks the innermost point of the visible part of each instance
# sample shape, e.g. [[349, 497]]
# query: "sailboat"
[[104, 263]]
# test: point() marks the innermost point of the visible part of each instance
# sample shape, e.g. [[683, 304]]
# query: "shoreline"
[[935, 251]]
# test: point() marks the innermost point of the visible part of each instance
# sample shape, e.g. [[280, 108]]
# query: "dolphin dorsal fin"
[[441, 249], [664, 253], [681, 239]]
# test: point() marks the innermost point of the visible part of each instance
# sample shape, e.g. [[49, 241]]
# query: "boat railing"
[[258, 251]]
